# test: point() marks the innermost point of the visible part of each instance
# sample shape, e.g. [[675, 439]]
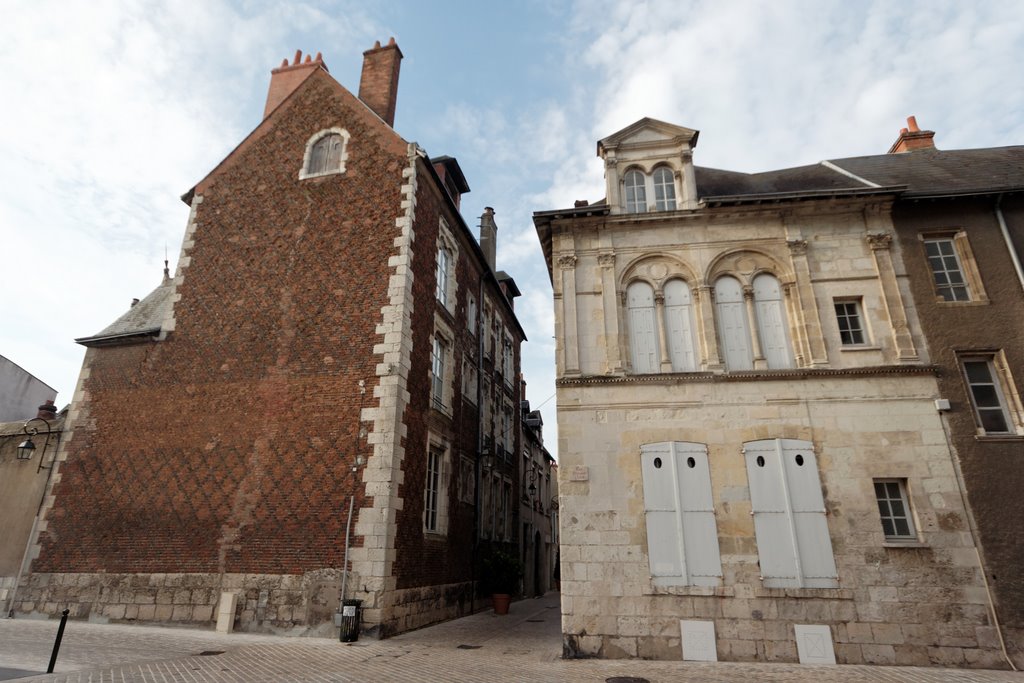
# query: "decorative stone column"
[[710, 360], [760, 363], [611, 179], [796, 324], [804, 303], [880, 244], [610, 306], [570, 329], [659, 314]]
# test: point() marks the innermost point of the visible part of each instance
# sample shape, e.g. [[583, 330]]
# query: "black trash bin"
[[350, 616]]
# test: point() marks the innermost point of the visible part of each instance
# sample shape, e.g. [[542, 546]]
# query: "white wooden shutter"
[[682, 539], [679, 326], [793, 544], [643, 330], [771, 322], [732, 324]]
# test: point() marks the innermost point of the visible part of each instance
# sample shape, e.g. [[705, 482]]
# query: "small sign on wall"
[[698, 641], [814, 644], [580, 473]]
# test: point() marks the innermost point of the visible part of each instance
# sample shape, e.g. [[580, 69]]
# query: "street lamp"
[[28, 447]]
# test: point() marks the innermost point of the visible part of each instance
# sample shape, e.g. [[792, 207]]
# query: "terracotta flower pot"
[[501, 601]]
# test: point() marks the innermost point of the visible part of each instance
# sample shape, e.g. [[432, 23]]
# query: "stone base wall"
[[414, 608], [6, 584], [267, 603]]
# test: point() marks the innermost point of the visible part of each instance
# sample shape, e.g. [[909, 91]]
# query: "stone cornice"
[[749, 375]]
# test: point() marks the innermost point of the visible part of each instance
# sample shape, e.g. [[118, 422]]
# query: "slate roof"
[[144, 319]]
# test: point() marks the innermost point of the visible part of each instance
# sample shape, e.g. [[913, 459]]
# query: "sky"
[[113, 109]]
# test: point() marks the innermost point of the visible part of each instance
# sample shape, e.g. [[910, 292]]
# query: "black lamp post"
[[28, 447]]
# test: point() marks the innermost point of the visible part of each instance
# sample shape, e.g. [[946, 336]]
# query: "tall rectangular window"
[[471, 314], [793, 544], [851, 324], [437, 367], [894, 509], [682, 539], [947, 270], [987, 397], [431, 511]]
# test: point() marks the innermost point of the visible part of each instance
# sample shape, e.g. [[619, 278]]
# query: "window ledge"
[[831, 593], [860, 347], [708, 591], [973, 302], [893, 543], [995, 438], [322, 174]]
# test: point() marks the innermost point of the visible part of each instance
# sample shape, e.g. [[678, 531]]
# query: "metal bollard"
[[350, 616], [56, 643]]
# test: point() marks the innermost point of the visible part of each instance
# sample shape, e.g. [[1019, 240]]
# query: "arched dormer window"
[[771, 321], [326, 153], [636, 191], [733, 325], [664, 189], [643, 328]]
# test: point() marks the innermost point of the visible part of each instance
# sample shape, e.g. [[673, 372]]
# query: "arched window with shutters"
[[664, 189], [772, 326], [679, 327], [643, 328], [733, 325], [636, 191], [326, 153]]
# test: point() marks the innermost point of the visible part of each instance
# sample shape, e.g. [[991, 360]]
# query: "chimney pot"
[[298, 56], [134, 301], [581, 202], [47, 411], [912, 138], [912, 124], [287, 77], [903, 131], [488, 236]]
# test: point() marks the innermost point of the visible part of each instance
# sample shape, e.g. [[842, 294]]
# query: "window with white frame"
[[643, 328], [680, 330], [772, 327], [733, 325], [326, 153], [793, 543], [894, 510], [947, 270], [471, 314], [850, 319], [682, 539], [435, 499], [664, 189], [636, 191], [444, 259], [437, 366], [992, 393], [447, 256]]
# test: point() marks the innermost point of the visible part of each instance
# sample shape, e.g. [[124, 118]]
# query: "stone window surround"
[[438, 446], [903, 489], [968, 265], [443, 333], [1010, 398], [648, 172], [446, 243], [303, 174]]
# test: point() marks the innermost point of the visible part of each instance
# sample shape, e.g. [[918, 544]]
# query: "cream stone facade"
[[748, 428]]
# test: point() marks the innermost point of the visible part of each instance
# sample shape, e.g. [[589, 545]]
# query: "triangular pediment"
[[649, 133]]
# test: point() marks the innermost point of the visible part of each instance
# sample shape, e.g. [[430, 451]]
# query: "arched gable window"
[[733, 326], [636, 191], [679, 326], [771, 321], [326, 153], [643, 328], [664, 189]]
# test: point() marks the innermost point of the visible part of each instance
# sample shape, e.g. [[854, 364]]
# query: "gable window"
[[643, 328], [682, 539], [851, 322], [733, 325], [636, 192], [326, 153], [771, 321], [679, 326], [894, 510], [793, 543], [664, 189], [988, 385]]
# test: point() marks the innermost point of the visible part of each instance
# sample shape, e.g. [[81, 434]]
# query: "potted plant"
[[500, 574]]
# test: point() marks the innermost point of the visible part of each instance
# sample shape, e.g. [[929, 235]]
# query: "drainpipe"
[[1009, 241], [479, 439]]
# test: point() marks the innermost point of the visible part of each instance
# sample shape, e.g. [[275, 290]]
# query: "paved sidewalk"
[[524, 646]]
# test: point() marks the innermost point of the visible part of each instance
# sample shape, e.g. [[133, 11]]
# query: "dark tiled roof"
[[144, 318], [938, 172], [713, 182]]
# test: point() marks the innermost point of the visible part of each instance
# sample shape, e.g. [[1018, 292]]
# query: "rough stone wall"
[[991, 466], [226, 448]]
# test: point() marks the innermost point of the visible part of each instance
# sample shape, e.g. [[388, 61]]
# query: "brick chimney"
[[287, 77], [912, 138], [378, 85], [47, 411], [488, 236]]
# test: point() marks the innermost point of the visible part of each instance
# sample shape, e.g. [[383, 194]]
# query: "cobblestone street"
[[524, 646]]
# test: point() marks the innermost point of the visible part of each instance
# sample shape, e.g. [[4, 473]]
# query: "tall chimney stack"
[[378, 85], [488, 236], [912, 138], [287, 77], [47, 411]]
